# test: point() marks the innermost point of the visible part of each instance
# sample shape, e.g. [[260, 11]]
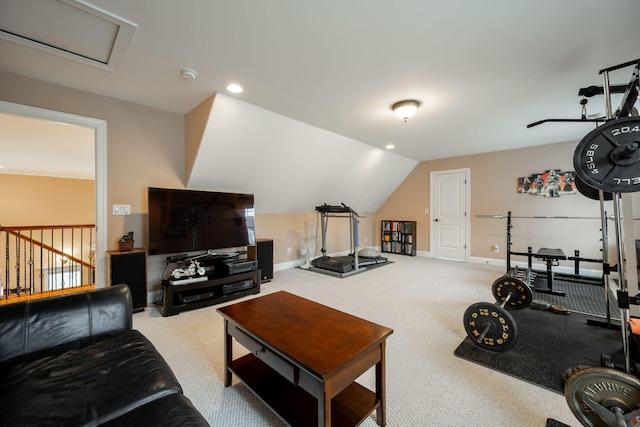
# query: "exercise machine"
[[341, 266], [608, 160]]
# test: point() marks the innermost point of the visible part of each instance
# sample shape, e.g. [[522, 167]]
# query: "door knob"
[[436, 220]]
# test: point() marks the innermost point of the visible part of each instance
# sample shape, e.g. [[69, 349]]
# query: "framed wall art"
[[552, 183]]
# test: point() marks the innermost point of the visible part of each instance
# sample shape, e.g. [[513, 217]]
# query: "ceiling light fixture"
[[188, 73], [405, 109], [234, 88], [389, 146]]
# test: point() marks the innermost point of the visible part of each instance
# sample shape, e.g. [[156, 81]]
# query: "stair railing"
[[41, 259]]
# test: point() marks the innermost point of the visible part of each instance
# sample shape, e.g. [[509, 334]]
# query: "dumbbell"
[[490, 325]]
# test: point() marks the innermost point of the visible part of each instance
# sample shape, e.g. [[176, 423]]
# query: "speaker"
[[130, 268], [263, 252]]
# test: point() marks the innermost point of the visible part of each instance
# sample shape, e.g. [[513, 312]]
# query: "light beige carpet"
[[422, 300]]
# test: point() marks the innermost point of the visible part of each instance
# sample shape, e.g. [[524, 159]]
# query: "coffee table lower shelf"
[[294, 405]]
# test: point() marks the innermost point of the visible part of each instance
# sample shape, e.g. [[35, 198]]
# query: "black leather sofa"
[[74, 360]]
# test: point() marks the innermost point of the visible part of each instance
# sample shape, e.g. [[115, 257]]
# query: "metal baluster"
[[18, 264], [31, 279], [72, 265], [51, 260], [41, 260], [81, 256], [6, 267], [62, 258]]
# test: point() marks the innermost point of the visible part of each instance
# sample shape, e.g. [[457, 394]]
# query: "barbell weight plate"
[[502, 333], [590, 192], [539, 304], [522, 295], [560, 309], [603, 387], [608, 157]]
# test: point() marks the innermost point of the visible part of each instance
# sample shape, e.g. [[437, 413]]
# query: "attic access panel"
[[72, 29]]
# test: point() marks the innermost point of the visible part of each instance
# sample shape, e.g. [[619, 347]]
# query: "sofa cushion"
[[32, 325], [86, 382], [170, 411]]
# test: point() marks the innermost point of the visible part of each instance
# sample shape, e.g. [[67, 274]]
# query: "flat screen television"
[[189, 220]]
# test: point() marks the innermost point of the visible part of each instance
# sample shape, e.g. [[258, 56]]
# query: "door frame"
[[467, 207], [100, 179]]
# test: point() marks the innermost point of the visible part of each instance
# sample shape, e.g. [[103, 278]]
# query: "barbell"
[[603, 397], [490, 325]]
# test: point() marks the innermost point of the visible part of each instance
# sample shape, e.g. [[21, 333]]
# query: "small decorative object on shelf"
[[399, 237], [126, 242]]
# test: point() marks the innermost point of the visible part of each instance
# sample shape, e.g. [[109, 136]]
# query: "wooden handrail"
[[44, 227]]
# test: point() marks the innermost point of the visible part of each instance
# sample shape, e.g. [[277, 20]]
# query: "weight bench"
[[551, 258]]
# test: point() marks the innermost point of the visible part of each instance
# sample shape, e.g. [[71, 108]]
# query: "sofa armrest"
[[29, 326]]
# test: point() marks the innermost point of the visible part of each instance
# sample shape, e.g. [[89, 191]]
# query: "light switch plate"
[[122, 209]]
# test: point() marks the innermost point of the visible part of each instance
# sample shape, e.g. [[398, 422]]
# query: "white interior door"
[[449, 219]]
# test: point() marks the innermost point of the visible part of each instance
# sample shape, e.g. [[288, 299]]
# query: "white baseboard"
[[535, 266], [473, 260], [287, 265]]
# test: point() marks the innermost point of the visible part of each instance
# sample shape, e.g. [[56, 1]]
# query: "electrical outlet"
[[288, 251], [496, 248]]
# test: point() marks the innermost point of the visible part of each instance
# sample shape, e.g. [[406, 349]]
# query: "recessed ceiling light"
[[389, 146], [234, 88]]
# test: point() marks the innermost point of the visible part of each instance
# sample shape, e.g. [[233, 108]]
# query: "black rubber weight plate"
[[560, 309], [608, 157], [539, 304], [502, 333], [521, 295], [603, 387]]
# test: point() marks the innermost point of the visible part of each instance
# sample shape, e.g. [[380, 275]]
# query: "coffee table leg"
[[381, 387], [324, 409], [228, 342]]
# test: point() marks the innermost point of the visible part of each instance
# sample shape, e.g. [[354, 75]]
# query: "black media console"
[[205, 291]]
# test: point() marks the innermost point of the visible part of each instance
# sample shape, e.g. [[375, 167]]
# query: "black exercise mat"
[[364, 268], [548, 344], [581, 297], [555, 423]]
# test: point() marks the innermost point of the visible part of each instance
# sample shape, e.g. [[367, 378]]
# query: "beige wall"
[[295, 230], [45, 201], [493, 191], [37, 200], [146, 148]]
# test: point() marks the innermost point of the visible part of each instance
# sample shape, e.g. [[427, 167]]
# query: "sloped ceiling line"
[[288, 165]]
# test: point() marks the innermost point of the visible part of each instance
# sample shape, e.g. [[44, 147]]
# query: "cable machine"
[[608, 160]]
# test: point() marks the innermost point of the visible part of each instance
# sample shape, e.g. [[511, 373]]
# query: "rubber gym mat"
[[580, 297], [555, 423], [548, 344]]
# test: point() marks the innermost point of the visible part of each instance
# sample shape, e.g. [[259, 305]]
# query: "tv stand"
[[211, 291]]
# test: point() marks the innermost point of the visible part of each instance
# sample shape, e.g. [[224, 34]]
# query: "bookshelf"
[[399, 237]]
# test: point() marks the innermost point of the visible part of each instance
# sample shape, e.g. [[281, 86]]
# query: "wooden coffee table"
[[305, 358]]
